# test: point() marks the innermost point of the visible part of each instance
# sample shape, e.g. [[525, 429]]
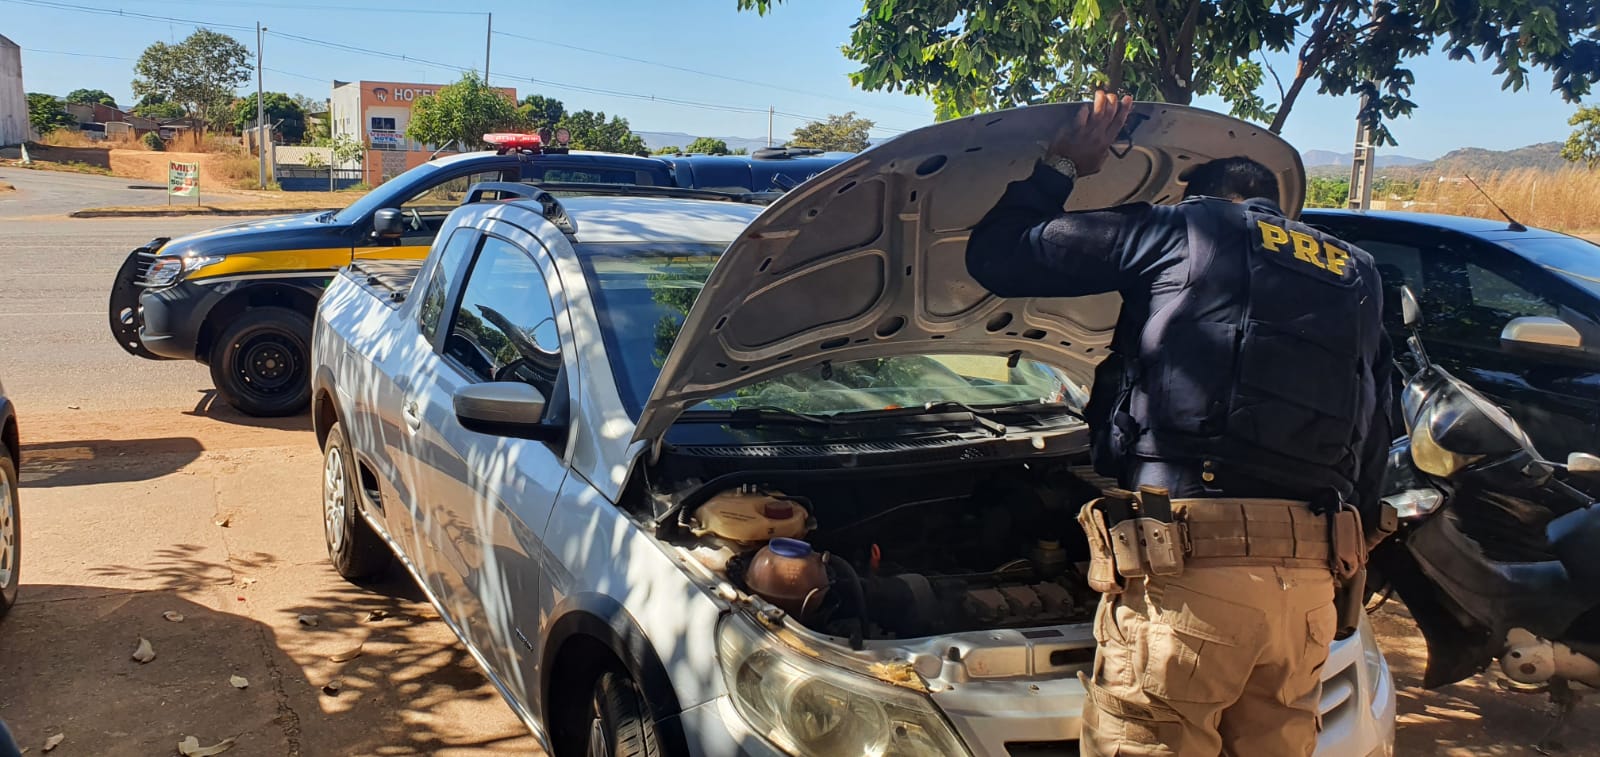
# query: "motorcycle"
[[1495, 550]]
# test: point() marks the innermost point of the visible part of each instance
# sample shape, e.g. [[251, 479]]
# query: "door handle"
[[413, 415]]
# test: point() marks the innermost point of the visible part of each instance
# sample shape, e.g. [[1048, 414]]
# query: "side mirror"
[[388, 223], [1583, 463], [1410, 311], [1541, 333], [505, 408]]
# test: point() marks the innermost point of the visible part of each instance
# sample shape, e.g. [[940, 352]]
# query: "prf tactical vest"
[[1257, 364]]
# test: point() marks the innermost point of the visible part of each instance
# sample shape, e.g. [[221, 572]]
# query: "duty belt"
[[1132, 535]]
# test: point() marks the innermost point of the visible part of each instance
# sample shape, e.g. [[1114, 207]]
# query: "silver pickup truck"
[[691, 476]]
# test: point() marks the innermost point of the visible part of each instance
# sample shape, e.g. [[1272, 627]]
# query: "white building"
[[14, 128]]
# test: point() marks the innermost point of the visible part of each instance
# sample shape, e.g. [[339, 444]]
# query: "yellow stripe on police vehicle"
[[317, 259], [1306, 248]]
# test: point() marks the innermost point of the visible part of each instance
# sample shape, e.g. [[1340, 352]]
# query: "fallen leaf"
[[72, 407], [239, 682], [332, 688], [308, 620], [173, 615], [224, 521], [54, 741], [145, 652], [377, 615], [347, 655], [190, 747]]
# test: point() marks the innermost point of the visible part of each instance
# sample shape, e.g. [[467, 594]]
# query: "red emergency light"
[[512, 141]]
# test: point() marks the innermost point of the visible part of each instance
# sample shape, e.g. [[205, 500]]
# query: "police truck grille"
[[147, 261]]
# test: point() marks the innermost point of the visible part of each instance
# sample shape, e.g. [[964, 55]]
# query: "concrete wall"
[[14, 127], [295, 155]]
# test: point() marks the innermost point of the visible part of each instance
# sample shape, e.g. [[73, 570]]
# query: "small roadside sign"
[[183, 180]]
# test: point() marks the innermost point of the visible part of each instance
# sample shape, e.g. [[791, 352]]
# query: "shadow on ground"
[[403, 694], [211, 406], [100, 461]]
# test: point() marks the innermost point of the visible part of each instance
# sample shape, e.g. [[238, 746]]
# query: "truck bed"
[[388, 280]]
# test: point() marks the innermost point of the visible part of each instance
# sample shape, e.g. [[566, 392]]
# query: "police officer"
[[1244, 398]]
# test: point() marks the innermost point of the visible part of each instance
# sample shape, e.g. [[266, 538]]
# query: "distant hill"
[[658, 139], [1319, 158], [1545, 156]]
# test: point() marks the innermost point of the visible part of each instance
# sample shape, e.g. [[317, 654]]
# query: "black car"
[[1514, 311]]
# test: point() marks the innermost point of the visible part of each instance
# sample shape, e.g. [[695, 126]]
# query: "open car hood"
[[868, 259]]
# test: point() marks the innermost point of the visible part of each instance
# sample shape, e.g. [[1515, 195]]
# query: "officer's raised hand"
[[1087, 141]]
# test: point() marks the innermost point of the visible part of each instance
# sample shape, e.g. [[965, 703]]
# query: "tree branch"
[[1118, 53], [1312, 55]]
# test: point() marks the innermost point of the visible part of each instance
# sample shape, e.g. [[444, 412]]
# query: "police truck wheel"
[[619, 720], [10, 534], [355, 550], [261, 364]]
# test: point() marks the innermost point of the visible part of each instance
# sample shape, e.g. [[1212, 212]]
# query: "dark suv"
[[1514, 311]]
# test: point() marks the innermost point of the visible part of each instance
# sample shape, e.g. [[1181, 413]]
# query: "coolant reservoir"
[[790, 575], [750, 515]]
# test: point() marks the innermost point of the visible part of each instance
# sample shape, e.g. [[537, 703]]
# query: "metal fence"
[[303, 179]]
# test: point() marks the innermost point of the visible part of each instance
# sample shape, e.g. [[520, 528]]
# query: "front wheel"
[[620, 724], [10, 534], [355, 550], [261, 364]]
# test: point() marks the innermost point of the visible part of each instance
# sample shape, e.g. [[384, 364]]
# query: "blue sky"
[[740, 63]]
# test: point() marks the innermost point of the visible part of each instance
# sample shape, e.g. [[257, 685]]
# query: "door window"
[[447, 194], [1399, 265], [505, 328], [442, 281]]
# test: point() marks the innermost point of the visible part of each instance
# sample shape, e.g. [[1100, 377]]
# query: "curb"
[[191, 211]]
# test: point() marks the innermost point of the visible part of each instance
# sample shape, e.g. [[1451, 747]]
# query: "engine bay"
[[902, 555]]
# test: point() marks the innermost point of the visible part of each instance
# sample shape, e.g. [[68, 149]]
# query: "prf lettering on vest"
[[1306, 247]]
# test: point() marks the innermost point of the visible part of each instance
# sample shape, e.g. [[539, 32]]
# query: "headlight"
[[1414, 503], [1432, 458], [167, 270], [806, 707]]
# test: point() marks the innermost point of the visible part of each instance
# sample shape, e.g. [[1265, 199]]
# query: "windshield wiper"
[[756, 414]]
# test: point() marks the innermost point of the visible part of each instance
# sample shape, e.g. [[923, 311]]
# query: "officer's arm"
[[1375, 448], [1028, 247]]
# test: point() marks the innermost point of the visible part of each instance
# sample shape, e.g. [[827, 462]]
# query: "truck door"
[[487, 497]]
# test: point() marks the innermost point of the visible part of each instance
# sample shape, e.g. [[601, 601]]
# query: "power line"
[[72, 54], [354, 8], [685, 69], [127, 14]]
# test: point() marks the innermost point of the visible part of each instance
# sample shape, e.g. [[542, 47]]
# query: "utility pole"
[[261, 114], [1361, 166], [488, 41], [770, 110]]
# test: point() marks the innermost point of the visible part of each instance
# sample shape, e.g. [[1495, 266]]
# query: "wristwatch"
[[1063, 166]]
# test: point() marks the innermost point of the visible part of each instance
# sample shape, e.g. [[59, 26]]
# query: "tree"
[[668, 150], [279, 108], [346, 149], [1583, 146], [91, 97], [200, 73], [708, 145], [846, 133], [463, 112], [591, 131], [970, 57], [742, 151], [1327, 192], [542, 112], [45, 114], [158, 107]]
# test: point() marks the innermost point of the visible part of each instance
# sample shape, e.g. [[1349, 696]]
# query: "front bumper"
[[170, 319], [1042, 716]]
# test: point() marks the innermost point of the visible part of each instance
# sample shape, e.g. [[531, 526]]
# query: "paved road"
[[55, 193], [129, 469], [129, 472]]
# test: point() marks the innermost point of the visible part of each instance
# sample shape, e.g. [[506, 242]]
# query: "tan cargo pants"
[[1220, 660]]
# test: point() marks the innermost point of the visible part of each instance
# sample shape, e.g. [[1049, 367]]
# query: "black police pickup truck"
[[240, 298]]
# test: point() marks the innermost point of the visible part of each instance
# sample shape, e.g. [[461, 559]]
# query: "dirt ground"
[[128, 516]]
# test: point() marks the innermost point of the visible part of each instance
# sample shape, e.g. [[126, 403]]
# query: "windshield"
[[1576, 260], [375, 199], [643, 292]]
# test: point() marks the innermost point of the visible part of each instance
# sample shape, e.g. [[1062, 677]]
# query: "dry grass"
[[75, 138], [1567, 200]]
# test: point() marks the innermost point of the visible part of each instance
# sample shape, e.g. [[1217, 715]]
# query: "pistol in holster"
[[1348, 555], [1131, 536]]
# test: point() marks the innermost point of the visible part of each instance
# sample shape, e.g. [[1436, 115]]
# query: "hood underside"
[[868, 259]]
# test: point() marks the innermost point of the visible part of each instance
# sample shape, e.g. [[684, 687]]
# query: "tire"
[[356, 551], [620, 723], [261, 363], [10, 534]]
